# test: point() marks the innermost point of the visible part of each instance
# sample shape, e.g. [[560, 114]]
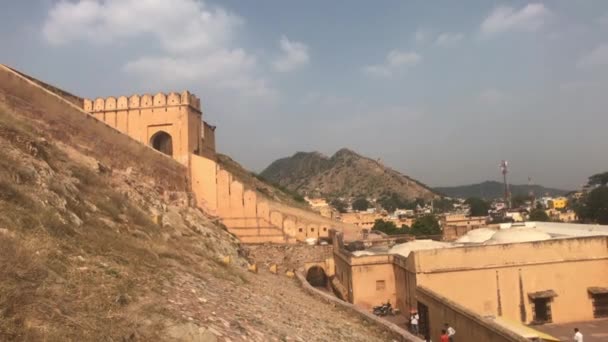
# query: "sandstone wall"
[[143, 116], [469, 326], [251, 216], [68, 123]]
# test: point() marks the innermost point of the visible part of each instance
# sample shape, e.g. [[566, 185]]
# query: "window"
[[380, 285], [300, 230], [599, 299], [324, 229], [542, 310], [541, 306], [312, 229]]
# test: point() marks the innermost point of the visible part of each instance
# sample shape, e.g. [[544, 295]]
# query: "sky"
[[441, 91]]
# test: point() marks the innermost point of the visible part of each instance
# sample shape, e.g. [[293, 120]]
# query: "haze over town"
[[441, 92]]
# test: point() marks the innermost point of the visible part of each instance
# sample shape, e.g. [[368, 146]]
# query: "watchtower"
[[170, 123]]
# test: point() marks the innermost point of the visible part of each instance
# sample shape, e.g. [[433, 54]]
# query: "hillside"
[[345, 174], [99, 241], [493, 189]]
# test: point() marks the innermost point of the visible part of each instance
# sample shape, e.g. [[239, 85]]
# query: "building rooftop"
[[593, 331], [506, 233]]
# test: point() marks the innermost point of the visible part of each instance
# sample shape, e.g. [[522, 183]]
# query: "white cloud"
[[195, 40], [596, 57], [395, 60], [295, 55], [449, 38], [503, 19]]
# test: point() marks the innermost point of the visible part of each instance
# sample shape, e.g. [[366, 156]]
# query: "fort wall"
[[250, 215], [69, 124], [143, 117], [176, 117]]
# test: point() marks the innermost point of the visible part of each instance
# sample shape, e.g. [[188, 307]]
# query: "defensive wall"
[[66, 122], [251, 216], [173, 120], [172, 124]]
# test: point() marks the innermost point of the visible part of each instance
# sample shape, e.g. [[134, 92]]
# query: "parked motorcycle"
[[384, 310]]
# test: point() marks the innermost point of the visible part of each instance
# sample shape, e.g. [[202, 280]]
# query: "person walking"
[[444, 336], [414, 322], [578, 336], [450, 332]]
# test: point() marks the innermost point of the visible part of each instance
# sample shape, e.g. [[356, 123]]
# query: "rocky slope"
[[100, 245], [345, 174]]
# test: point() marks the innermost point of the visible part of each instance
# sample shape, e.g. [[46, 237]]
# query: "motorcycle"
[[384, 310]]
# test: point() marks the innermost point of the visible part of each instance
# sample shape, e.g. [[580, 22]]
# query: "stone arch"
[[162, 141], [316, 276]]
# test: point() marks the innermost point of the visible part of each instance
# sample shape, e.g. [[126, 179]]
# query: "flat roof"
[[593, 331]]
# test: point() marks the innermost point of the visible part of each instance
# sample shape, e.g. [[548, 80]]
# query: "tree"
[[339, 205], [360, 204], [477, 206], [595, 206], [539, 215], [600, 179], [386, 227], [443, 205], [426, 225], [519, 200]]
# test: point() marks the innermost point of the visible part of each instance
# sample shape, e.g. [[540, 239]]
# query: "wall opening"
[[316, 276], [542, 310], [162, 141], [600, 305], [424, 326]]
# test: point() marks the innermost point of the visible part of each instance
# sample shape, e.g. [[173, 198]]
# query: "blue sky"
[[439, 90]]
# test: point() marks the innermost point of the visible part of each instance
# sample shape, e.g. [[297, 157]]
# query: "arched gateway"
[[162, 141]]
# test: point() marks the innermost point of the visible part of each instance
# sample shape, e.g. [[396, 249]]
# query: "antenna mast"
[[504, 170]]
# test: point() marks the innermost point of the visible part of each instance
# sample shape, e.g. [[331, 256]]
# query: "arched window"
[[161, 141]]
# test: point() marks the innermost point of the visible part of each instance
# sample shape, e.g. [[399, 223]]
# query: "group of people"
[[447, 334]]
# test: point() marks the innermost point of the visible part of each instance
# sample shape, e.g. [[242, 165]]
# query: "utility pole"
[[504, 170]]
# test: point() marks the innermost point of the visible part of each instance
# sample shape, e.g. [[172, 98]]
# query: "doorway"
[[162, 141]]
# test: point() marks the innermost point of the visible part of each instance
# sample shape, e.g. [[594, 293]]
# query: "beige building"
[[361, 219], [366, 220], [456, 225], [523, 274]]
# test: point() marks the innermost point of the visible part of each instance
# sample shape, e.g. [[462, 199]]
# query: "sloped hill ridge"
[[346, 173], [493, 189], [99, 242]]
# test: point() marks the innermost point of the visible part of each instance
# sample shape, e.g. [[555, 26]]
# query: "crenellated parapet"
[[160, 100]]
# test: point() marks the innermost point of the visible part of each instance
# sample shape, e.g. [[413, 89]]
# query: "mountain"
[[345, 174], [493, 189]]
